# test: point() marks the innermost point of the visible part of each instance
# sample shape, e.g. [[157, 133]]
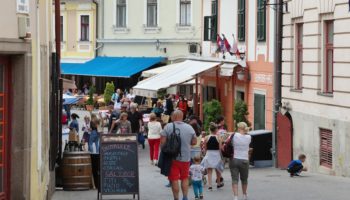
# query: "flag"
[[234, 49], [220, 44], [227, 45]]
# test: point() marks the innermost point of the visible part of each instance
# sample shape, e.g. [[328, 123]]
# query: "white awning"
[[182, 73], [158, 70]]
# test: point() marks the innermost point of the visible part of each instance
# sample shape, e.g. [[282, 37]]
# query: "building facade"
[[24, 99], [149, 28], [249, 24], [315, 86], [78, 30]]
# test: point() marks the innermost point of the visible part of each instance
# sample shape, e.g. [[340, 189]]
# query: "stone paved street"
[[265, 184]]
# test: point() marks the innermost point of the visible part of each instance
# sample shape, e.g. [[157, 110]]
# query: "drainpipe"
[[96, 28], [277, 74]]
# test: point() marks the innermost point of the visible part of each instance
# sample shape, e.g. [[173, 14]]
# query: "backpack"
[[227, 147], [172, 146]]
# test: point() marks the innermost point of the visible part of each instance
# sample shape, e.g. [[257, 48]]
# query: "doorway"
[[259, 111], [284, 140], [4, 127]]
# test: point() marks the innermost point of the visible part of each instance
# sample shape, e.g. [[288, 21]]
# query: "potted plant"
[[241, 113], [109, 90], [211, 110], [90, 101]]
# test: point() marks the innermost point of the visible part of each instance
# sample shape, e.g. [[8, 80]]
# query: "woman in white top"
[[154, 130], [239, 164]]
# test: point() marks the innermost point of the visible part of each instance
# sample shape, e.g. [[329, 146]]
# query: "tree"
[[241, 112], [109, 90], [212, 110], [90, 100]]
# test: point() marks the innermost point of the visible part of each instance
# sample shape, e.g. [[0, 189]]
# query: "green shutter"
[[241, 20], [259, 112], [214, 28], [261, 21], [206, 28]]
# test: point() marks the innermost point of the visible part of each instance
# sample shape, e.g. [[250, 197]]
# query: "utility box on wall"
[[23, 27]]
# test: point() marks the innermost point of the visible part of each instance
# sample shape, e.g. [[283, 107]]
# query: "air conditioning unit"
[[193, 48], [23, 27]]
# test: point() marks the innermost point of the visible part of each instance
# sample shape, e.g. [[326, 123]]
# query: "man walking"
[[181, 165]]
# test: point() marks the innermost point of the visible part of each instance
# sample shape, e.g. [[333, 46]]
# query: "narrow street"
[[265, 184]]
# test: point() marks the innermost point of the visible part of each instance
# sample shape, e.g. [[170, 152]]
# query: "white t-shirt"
[[241, 146], [154, 130], [197, 172]]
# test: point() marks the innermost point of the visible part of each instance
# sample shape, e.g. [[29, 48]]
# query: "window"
[[241, 20], [151, 13], [299, 57], [259, 111], [84, 27], [261, 34], [210, 24], [22, 6], [240, 95], [326, 153], [185, 12], [328, 75], [61, 29], [121, 13]]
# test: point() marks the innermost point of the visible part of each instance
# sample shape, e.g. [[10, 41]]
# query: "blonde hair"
[[152, 116], [123, 114], [94, 119], [243, 126]]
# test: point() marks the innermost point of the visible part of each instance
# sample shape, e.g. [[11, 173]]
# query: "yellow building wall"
[[72, 47]]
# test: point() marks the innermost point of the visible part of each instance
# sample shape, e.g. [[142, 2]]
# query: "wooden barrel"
[[76, 171]]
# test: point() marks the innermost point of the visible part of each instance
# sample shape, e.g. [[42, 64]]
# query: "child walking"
[[196, 171], [295, 167]]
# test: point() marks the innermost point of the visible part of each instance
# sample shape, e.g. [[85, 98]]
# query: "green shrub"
[[211, 110], [90, 100], [109, 90], [241, 112]]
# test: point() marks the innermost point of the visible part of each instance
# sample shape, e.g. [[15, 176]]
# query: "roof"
[[158, 70], [183, 72], [122, 67]]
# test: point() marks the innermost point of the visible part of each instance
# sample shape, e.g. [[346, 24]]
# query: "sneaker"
[[245, 197], [196, 198], [210, 189], [184, 198], [235, 198], [168, 185], [220, 185], [201, 196]]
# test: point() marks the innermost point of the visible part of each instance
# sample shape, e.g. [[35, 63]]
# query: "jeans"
[[94, 138], [154, 148], [197, 188]]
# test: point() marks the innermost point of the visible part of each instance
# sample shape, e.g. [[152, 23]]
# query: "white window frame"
[[178, 14], [120, 29], [79, 27], [146, 13], [24, 5]]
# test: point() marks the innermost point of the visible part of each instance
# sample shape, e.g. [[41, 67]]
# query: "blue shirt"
[[74, 124], [294, 163]]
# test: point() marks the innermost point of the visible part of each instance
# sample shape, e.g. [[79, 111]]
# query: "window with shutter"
[[326, 148], [152, 13], [329, 54], [241, 20], [261, 21]]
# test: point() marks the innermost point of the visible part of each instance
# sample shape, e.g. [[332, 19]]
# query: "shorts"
[[179, 171], [239, 170]]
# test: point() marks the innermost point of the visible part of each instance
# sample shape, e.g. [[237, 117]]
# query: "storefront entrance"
[[4, 127]]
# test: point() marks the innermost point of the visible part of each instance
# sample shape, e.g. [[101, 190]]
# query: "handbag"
[[227, 147]]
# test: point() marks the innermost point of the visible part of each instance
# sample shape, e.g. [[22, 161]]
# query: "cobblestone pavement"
[[264, 184]]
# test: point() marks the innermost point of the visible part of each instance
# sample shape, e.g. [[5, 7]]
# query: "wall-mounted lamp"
[[157, 44], [241, 75]]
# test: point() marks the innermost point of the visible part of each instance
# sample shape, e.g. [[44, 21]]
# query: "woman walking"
[[94, 136], [212, 160], [154, 130], [239, 165]]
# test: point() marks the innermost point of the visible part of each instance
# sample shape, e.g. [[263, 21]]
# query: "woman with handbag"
[[239, 163], [154, 130], [212, 160]]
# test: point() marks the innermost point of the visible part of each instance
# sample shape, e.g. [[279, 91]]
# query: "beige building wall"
[[30, 60], [311, 108], [136, 39]]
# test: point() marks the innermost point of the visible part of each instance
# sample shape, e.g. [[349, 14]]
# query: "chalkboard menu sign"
[[119, 165]]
